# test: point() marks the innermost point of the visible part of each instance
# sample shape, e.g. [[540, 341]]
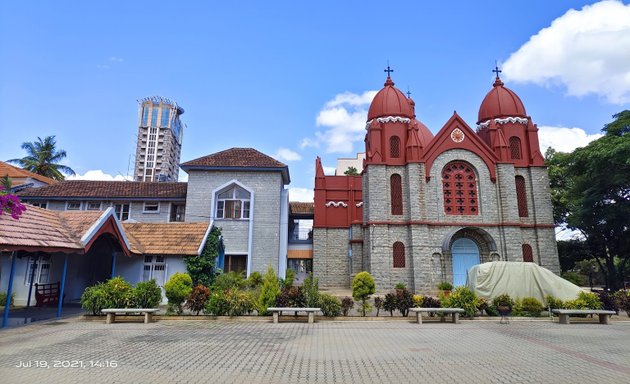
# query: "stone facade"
[[503, 220]]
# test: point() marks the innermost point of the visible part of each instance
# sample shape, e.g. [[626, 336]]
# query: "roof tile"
[[236, 157], [109, 189], [166, 238]]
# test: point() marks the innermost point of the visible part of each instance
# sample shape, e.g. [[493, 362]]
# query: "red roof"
[[109, 189], [16, 174], [500, 102], [235, 158], [390, 101]]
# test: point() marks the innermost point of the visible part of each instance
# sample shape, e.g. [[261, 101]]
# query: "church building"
[[426, 208]]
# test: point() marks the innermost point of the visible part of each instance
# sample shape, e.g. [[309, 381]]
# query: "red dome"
[[389, 101], [500, 102], [424, 134]]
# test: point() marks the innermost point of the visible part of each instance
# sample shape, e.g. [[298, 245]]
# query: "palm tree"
[[42, 159]]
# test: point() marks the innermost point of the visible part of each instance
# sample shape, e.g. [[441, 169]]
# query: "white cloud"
[[102, 66], [564, 139], [343, 121], [98, 174], [585, 51], [115, 59], [285, 154], [301, 194]]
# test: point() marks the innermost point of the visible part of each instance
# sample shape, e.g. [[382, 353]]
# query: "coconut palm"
[[43, 159]]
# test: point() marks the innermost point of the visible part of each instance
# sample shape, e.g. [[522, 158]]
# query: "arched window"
[[394, 147], [399, 255], [459, 185], [521, 197], [233, 203], [395, 186], [528, 254], [515, 148]]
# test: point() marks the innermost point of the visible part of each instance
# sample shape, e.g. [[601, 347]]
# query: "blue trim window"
[[233, 203], [154, 115], [145, 116], [164, 118]]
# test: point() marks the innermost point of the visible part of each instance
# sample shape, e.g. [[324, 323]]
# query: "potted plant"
[[504, 304], [445, 287]]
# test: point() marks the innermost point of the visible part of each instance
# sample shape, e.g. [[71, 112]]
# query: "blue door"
[[465, 254]]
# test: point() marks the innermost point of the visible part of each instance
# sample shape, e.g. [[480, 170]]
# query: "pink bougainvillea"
[[10, 203]]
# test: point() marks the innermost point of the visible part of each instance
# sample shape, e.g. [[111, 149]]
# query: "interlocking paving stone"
[[324, 352]]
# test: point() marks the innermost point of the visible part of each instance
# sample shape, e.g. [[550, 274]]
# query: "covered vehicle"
[[519, 280]]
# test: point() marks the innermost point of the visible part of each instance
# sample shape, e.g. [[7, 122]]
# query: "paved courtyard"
[[324, 352]]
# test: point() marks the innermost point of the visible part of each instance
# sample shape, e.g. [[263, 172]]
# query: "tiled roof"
[[166, 238], [79, 221], [300, 208], [38, 228], [19, 173], [108, 189], [236, 157]]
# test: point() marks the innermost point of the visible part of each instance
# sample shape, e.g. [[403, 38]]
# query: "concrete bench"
[[604, 316], [112, 312], [443, 311], [278, 310]]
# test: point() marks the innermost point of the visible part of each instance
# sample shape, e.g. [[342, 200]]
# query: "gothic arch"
[[483, 239]]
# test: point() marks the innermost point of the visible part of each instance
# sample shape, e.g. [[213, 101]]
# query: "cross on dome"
[[388, 70], [497, 81]]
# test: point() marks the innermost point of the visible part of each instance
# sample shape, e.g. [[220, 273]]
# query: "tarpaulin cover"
[[519, 280]]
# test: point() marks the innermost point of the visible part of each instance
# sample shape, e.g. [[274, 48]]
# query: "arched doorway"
[[465, 253]]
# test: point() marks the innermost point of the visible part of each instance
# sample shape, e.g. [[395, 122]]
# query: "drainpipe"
[[113, 264]]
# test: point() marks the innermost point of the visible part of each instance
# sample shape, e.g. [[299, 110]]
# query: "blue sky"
[[294, 79]]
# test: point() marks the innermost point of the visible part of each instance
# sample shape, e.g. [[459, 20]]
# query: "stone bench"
[[276, 311], [112, 312], [443, 311], [604, 316]]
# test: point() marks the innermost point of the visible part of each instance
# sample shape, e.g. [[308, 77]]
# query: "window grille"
[[515, 148], [528, 254], [459, 186], [394, 147], [396, 194], [521, 197], [399, 255]]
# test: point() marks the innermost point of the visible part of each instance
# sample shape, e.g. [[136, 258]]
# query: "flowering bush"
[[10, 204]]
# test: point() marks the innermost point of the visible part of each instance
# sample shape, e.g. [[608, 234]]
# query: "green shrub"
[[310, 287], [462, 297], [147, 294], [254, 280], [574, 277], [241, 303], [553, 302], [400, 285], [228, 281], [95, 298], [197, 299], [177, 288], [289, 278], [445, 286], [217, 304], [378, 304], [404, 301], [330, 305], [3, 298], [585, 300], [491, 310], [346, 305], [417, 301], [269, 291], [503, 300], [230, 303], [119, 293], [362, 287], [517, 309], [532, 307], [390, 303]]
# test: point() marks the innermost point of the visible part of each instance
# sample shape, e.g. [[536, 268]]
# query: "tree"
[[42, 158], [6, 183], [202, 268], [591, 194], [351, 171], [362, 287], [269, 291]]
